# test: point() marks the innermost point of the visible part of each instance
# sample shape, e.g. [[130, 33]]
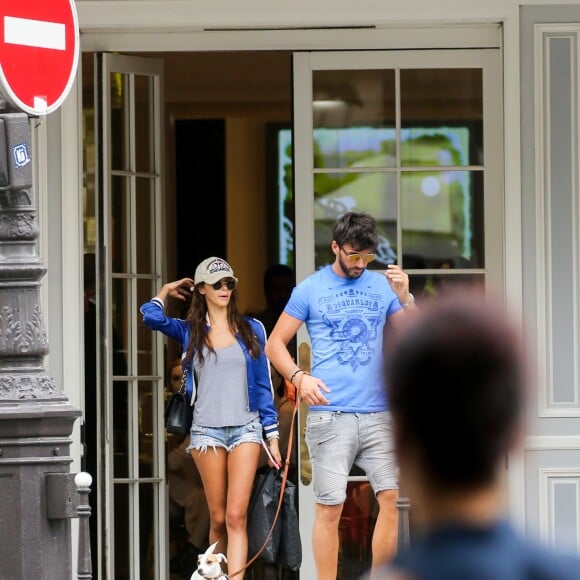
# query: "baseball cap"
[[211, 270]]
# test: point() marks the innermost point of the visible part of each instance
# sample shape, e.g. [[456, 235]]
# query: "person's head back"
[[174, 375], [456, 389], [278, 285], [356, 229]]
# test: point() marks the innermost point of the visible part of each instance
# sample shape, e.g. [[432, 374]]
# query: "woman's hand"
[[274, 446], [180, 289]]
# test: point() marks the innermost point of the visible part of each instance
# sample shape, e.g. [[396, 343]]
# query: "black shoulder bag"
[[179, 410]]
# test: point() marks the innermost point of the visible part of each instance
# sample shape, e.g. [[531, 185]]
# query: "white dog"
[[208, 565]]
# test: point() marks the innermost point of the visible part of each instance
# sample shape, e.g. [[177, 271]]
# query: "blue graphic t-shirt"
[[345, 318]]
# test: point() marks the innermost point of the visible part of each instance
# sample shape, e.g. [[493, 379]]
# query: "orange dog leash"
[[280, 499]]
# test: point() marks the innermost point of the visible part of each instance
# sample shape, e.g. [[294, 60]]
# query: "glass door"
[[129, 265], [413, 138]]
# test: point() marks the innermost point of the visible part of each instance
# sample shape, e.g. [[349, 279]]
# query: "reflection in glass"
[[284, 196], [356, 527], [122, 464], [119, 114], [123, 527], [442, 219], [434, 102], [346, 105], [337, 193], [354, 147], [144, 150], [147, 421], [145, 220], [120, 222], [121, 312], [435, 146], [146, 343], [429, 286], [148, 524]]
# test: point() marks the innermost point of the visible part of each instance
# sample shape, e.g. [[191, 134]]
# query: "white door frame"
[[305, 63]]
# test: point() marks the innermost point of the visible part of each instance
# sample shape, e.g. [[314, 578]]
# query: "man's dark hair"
[[456, 391], [356, 229]]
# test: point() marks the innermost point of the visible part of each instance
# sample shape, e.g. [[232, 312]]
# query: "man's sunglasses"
[[354, 257], [229, 283]]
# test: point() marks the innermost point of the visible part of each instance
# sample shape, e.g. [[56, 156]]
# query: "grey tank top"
[[222, 388]]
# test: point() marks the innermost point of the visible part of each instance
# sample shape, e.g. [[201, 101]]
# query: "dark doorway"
[[200, 172]]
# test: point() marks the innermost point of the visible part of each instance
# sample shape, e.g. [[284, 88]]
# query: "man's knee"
[[387, 499], [328, 515]]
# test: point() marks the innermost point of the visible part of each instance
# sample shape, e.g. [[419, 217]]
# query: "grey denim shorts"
[[337, 441], [202, 437]]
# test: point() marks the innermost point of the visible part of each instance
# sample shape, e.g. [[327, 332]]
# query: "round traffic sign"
[[39, 52]]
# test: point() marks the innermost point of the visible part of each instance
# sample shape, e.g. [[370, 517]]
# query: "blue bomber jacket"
[[260, 390]]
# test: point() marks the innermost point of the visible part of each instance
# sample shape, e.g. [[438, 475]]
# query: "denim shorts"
[[227, 437], [337, 441]]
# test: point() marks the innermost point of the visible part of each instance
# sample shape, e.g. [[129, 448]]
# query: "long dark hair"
[[198, 336]]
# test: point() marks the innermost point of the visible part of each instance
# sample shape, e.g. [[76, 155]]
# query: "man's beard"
[[349, 272]]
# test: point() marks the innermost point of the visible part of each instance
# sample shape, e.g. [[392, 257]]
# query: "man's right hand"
[[311, 389]]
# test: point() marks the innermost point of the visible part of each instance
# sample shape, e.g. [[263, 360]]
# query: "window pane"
[[121, 429], [426, 287], [442, 219], [337, 193], [435, 146], [354, 118], [148, 526], [145, 229], [120, 207], [119, 113], [441, 117], [123, 528], [356, 528], [144, 151], [122, 317], [147, 428], [146, 340]]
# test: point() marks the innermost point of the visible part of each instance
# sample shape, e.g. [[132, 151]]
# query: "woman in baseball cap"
[[228, 378]]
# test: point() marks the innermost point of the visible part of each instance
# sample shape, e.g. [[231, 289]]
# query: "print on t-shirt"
[[353, 317]]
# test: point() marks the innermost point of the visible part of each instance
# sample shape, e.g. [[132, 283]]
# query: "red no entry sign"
[[39, 51]]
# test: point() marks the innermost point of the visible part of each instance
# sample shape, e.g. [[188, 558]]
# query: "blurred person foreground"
[[457, 386]]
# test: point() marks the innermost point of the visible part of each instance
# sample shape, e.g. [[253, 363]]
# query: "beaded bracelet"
[[291, 379]]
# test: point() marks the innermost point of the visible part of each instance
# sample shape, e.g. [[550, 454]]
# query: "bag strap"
[[282, 487], [183, 384]]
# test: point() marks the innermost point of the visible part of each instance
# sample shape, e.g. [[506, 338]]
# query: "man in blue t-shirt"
[[345, 308], [456, 387]]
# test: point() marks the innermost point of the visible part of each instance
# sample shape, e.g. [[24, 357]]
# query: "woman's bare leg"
[[242, 465], [212, 466]]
